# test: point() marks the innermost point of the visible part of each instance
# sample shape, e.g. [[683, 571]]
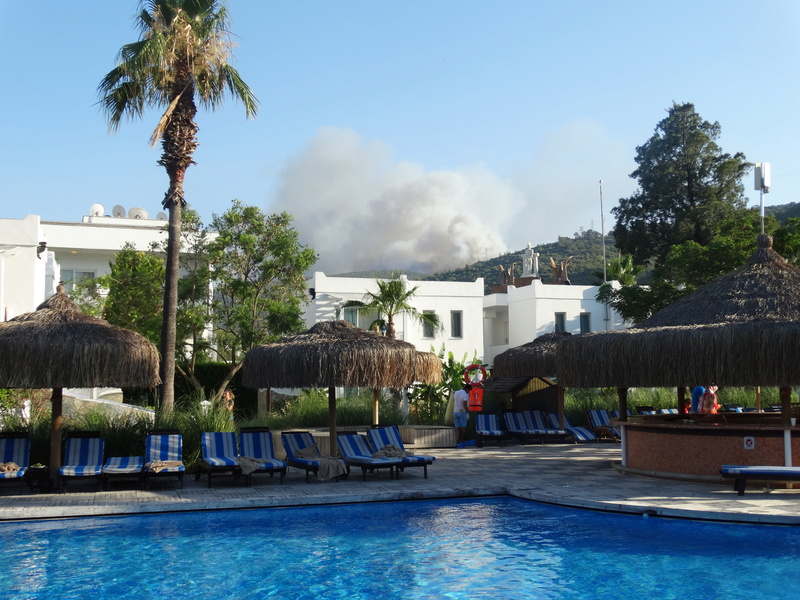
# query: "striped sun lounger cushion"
[[516, 423], [488, 425], [294, 442], [355, 447], [83, 457], [258, 445], [600, 418], [164, 447], [219, 448], [385, 436], [536, 421], [581, 434], [18, 451], [116, 465]]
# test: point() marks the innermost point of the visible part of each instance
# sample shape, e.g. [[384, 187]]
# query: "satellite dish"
[[162, 216], [118, 211], [97, 210], [137, 213]]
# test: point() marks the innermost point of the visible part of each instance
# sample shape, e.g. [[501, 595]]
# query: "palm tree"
[[182, 55], [391, 300]]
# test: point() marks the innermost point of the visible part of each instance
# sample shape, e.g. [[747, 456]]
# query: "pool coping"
[[582, 477]]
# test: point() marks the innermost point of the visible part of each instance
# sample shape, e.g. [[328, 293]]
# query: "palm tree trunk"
[[170, 315]]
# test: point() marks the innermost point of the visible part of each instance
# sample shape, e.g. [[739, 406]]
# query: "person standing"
[[461, 411], [697, 396]]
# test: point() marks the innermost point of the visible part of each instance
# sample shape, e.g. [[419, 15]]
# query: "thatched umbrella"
[[534, 359], [741, 329], [59, 346], [337, 353]]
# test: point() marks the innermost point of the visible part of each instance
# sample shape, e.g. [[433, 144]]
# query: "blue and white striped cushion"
[[292, 442], [163, 447], [582, 434], [16, 450], [355, 447], [385, 436], [515, 422], [258, 445], [123, 464], [537, 422], [219, 448], [83, 457], [488, 425]]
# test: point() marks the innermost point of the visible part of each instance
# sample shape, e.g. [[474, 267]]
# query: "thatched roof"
[[534, 359], [59, 346], [336, 353], [766, 289], [741, 329]]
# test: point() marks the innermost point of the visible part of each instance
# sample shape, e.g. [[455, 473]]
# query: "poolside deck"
[[579, 476]]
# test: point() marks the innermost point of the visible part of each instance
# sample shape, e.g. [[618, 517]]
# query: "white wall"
[[441, 297], [23, 274]]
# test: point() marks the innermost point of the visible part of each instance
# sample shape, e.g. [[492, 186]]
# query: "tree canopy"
[[687, 188]]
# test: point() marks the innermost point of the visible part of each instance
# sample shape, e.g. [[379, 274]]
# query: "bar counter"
[[697, 445]]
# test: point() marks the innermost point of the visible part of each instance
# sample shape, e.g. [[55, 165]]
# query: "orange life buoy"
[[471, 368]]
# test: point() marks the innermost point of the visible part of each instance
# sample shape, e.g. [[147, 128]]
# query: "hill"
[[586, 267]]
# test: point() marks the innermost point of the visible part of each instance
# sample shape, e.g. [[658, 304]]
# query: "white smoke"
[[361, 209]]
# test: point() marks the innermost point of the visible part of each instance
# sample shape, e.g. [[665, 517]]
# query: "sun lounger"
[[303, 453], [487, 428], [380, 437], [356, 452], [742, 473], [600, 422], [120, 467], [645, 410], [256, 443], [578, 434], [668, 411], [218, 454], [15, 453], [163, 456], [517, 427], [83, 457]]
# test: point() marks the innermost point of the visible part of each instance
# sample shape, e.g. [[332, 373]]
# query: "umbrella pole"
[[374, 406], [56, 421], [786, 404], [332, 419]]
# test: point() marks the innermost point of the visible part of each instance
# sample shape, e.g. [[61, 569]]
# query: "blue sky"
[[424, 134]]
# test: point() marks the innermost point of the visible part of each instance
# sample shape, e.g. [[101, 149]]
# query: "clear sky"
[[414, 133]]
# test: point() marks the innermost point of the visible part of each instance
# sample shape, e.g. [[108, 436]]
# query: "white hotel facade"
[[35, 255]]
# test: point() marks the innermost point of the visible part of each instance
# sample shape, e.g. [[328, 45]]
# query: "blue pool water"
[[501, 548]]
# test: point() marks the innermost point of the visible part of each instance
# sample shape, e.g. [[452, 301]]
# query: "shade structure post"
[[622, 394], [681, 398], [332, 418], [786, 405], [375, 408], [56, 423]]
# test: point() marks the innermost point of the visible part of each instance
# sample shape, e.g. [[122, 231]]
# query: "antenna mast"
[[603, 232]]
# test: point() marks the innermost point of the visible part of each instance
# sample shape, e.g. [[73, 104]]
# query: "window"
[[351, 315], [427, 328], [72, 276], [561, 322], [455, 324], [586, 322]]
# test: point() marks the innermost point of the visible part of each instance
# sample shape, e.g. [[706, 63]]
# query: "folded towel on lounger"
[[391, 451], [248, 465], [8, 467], [157, 466], [329, 467]]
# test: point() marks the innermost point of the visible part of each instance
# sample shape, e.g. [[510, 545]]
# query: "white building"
[[36, 255], [474, 323], [459, 306], [521, 314]]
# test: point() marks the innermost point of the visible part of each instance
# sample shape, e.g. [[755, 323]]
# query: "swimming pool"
[[502, 548]]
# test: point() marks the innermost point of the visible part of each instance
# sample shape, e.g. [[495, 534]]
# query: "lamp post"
[[762, 181]]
